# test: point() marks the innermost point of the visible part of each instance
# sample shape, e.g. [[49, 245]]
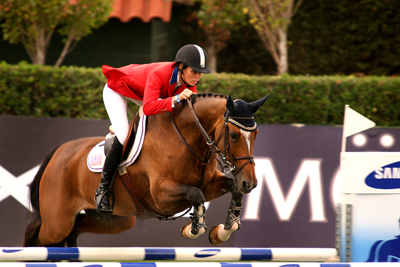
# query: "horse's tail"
[[33, 227]]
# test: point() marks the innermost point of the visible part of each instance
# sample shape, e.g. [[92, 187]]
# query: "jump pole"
[[198, 264], [156, 254]]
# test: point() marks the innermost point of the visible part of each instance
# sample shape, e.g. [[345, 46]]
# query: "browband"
[[241, 126]]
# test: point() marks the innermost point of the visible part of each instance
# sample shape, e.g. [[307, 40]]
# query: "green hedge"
[[44, 91], [313, 99], [76, 92]]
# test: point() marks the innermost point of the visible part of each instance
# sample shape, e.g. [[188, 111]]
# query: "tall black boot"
[[113, 159]]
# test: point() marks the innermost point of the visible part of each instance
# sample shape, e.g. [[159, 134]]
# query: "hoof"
[[213, 236], [186, 231], [219, 234]]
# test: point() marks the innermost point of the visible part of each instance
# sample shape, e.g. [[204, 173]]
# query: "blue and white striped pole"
[[156, 254], [198, 264]]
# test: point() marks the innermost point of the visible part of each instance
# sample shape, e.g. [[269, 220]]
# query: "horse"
[[197, 153]]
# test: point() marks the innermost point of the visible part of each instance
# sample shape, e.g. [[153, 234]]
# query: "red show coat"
[[148, 83]]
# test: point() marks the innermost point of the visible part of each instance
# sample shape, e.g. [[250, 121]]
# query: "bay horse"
[[196, 153]]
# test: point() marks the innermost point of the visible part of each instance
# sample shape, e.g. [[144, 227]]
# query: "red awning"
[[146, 10]]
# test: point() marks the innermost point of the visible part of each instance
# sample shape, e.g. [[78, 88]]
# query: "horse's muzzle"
[[246, 185]]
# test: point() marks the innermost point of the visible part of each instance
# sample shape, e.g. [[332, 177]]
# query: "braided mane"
[[206, 95], [211, 94]]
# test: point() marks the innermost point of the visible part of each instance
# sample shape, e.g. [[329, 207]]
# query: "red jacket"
[[148, 83]]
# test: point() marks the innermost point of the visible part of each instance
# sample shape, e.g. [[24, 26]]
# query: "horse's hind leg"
[[31, 233], [72, 239], [31, 238], [58, 218], [99, 223]]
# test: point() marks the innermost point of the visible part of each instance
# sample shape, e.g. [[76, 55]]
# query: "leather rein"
[[228, 168]]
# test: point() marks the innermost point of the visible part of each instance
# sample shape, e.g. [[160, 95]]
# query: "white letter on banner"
[[387, 173], [378, 173], [17, 187], [396, 173], [309, 171]]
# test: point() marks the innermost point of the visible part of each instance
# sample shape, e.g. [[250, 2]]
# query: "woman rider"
[[156, 88]]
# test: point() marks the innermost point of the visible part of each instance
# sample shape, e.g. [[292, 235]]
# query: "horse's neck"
[[210, 111]]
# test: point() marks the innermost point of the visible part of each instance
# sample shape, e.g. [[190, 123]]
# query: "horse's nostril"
[[244, 185]]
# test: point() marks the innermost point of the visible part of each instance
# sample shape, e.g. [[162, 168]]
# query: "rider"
[[156, 88]]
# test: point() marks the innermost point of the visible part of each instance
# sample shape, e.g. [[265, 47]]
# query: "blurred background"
[[321, 37]]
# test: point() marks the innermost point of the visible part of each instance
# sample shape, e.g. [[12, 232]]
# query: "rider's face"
[[191, 76]]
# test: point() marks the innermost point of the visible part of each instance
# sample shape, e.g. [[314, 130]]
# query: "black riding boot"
[[113, 159]]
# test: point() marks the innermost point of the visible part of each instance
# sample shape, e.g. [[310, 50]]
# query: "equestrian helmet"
[[194, 56]]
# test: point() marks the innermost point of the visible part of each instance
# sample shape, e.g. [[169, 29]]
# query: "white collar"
[[178, 81]]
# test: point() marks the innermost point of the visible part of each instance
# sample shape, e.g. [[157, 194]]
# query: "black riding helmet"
[[193, 56]]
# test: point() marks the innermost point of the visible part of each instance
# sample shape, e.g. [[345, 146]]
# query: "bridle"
[[228, 168], [227, 148]]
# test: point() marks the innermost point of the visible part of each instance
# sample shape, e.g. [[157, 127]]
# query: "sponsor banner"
[[369, 219], [373, 222], [293, 205], [371, 172]]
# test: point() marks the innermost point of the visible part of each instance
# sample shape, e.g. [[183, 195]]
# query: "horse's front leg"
[[171, 194], [218, 186], [197, 226], [221, 233]]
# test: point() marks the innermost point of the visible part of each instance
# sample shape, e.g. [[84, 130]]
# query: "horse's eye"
[[234, 136]]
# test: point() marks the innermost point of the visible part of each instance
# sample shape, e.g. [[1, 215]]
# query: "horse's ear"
[[231, 105], [257, 104]]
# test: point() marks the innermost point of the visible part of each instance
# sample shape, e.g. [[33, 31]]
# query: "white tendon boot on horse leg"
[[199, 227], [219, 234]]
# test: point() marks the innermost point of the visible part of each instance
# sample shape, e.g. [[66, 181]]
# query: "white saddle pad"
[[96, 157]]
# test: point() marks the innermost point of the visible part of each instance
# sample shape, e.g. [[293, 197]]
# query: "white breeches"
[[116, 106]]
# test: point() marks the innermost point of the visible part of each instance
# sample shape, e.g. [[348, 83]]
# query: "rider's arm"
[[152, 104], [156, 87]]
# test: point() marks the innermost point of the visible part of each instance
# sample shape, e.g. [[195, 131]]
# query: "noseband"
[[228, 168]]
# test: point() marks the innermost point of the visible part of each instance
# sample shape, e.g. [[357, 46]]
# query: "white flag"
[[354, 122]]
